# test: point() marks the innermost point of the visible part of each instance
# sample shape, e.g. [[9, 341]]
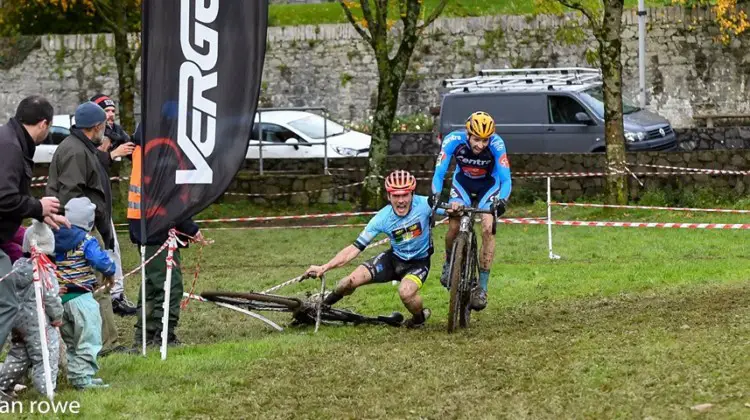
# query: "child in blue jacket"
[[78, 256]]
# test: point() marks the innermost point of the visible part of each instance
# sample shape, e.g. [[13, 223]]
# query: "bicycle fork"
[[467, 227]]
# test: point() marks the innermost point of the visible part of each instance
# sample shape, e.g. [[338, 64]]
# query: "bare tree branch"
[[410, 18], [372, 24], [381, 15], [104, 10], [574, 4], [102, 13], [104, 6], [354, 23], [434, 15]]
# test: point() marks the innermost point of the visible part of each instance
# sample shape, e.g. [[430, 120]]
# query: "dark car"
[[549, 111]]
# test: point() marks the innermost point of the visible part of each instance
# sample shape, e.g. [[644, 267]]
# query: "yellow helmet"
[[480, 124]]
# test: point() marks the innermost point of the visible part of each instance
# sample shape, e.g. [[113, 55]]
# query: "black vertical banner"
[[201, 76]]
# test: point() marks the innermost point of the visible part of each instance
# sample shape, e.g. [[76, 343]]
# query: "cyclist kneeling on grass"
[[406, 221], [482, 171]]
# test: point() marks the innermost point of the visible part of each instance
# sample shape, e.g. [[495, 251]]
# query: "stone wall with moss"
[[285, 177], [66, 69], [286, 181], [689, 71]]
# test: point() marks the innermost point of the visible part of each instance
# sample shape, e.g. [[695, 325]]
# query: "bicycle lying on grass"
[[304, 312]]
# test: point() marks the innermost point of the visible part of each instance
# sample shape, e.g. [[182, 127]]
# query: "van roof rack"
[[526, 79]]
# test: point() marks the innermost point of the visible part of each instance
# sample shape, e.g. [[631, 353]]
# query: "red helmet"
[[400, 183]]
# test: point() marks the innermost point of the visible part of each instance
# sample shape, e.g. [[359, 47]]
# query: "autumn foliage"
[[732, 20], [37, 17]]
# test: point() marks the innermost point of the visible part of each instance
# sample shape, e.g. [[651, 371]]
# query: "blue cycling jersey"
[[410, 235], [490, 164]]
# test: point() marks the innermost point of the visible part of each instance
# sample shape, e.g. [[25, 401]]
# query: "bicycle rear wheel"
[[456, 303], [256, 301]]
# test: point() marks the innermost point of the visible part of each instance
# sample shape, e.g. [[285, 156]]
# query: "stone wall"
[[702, 138], [285, 176], [688, 71], [414, 144], [524, 189], [688, 139]]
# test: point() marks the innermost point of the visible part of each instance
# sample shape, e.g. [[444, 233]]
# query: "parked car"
[[556, 110], [286, 135], [299, 134], [58, 131]]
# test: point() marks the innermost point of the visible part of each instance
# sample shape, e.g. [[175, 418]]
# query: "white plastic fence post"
[[552, 255], [167, 286], [143, 299], [42, 322]]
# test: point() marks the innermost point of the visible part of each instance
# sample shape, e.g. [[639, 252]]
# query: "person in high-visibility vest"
[[156, 270]]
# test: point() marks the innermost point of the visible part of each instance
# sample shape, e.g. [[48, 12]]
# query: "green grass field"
[[322, 13], [630, 323]]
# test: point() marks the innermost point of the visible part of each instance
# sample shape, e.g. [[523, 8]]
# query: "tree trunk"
[[125, 67], [388, 89], [126, 62], [610, 50]]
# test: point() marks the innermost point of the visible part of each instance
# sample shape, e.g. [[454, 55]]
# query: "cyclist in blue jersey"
[[406, 222], [482, 174]]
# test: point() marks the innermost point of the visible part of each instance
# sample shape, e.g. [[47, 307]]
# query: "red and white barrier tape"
[[699, 170], [44, 184], [338, 187], [363, 169], [664, 225], [556, 174], [687, 209], [288, 227], [291, 217], [271, 218], [156, 254], [7, 275]]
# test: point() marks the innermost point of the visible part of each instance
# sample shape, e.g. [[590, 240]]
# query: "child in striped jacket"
[[79, 256]]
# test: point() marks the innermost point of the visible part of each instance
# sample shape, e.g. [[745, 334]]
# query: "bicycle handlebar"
[[465, 209], [445, 206]]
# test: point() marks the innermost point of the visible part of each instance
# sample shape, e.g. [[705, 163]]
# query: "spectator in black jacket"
[[18, 140]]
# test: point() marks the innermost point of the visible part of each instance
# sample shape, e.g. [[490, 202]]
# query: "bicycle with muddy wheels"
[[464, 264], [310, 311]]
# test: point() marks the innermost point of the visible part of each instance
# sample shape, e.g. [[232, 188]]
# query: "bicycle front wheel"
[[460, 246], [255, 301], [471, 276]]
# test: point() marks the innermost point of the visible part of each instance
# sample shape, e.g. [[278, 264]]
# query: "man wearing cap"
[[114, 135], [77, 170], [116, 143]]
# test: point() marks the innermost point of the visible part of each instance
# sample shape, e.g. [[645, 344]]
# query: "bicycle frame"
[[468, 276]]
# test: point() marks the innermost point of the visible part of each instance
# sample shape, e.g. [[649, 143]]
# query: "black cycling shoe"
[[445, 275], [478, 299], [414, 322]]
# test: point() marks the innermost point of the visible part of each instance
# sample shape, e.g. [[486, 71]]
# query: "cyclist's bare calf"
[[488, 239], [409, 293], [454, 224], [487, 252]]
